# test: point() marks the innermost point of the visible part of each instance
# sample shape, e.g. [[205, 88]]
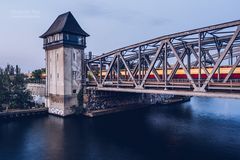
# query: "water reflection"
[[221, 108], [200, 129]]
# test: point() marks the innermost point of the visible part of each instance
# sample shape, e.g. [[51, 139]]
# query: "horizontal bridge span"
[[170, 92]]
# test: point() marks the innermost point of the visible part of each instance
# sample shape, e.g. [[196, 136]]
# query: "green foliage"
[[37, 74], [80, 108], [13, 91], [90, 77]]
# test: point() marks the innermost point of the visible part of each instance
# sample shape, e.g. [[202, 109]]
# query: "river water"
[[204, 128]]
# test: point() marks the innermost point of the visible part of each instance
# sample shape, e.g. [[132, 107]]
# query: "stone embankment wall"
[[97, 100], [100, 100], [38, 91], [22, 113]]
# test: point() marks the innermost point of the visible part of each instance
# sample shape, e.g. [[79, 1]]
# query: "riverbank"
[[21, 113]]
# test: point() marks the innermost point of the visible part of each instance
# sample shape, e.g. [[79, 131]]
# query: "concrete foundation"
[[62, 105]]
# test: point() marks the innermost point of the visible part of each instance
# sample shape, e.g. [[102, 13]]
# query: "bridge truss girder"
[[214, 46]]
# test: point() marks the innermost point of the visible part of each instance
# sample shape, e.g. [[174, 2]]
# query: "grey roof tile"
[[65, 23]]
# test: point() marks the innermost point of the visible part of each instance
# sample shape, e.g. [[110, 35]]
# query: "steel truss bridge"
[[214, 47]]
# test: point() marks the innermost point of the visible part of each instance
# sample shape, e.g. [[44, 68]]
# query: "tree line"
[[37, 74], [13, 93]]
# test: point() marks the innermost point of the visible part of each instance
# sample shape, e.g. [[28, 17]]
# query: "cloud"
[[94, 10], [159, 21], [25, 13], [122, 15]]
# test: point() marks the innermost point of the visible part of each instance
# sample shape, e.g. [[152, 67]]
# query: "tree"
[[38, 73], [20, 96], [13, 88], [2, 89]]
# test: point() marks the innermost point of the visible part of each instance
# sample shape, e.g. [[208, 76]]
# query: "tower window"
[[80, 40], [57, 37], [45, 41], [74, 56], [61, 36], [50, 39], [67, 36], [74, 75]]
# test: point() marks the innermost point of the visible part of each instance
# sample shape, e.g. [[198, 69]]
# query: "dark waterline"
[[205, 128]]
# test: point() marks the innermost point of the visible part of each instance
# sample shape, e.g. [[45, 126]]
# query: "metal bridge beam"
[[232, 70], [221, 58], [183, 66], [152, 63], [210, 46], [181, 34], [126, 66]]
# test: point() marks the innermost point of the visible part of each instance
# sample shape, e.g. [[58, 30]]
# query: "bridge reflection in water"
[[200, 62]]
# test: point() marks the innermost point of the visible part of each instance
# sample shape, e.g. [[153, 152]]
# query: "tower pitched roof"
[[65, 23]]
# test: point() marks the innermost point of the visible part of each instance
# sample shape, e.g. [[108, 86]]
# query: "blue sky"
[[111, 24]]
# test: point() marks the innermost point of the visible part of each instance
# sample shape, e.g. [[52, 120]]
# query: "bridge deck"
[[214, 94]]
